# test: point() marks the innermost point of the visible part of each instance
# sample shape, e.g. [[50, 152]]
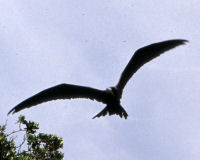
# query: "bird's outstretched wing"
[[144, 55], [62, 91]]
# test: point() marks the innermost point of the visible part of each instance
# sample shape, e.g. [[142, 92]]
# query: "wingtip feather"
[[184, 41], [11, 111]]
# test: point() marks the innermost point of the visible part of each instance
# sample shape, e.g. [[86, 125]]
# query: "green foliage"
[[38, 146]]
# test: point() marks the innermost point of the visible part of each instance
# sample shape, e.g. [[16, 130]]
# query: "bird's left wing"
[[144, 55], [62, 91]]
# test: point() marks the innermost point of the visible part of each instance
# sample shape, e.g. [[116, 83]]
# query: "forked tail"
[[119, 110]]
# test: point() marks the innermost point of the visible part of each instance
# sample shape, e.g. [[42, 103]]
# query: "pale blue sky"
[[45, 43]]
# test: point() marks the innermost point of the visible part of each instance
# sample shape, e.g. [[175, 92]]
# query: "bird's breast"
[[112, 99]]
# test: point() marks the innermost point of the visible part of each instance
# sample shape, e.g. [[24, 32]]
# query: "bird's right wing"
[[144, 55], [62, 91]]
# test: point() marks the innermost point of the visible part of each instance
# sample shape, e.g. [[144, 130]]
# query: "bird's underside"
[[111, 96]]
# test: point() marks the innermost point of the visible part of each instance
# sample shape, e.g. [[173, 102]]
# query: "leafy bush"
[[37, 146]]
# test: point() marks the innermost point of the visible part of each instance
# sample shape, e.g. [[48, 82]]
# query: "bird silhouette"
[[112, 95]]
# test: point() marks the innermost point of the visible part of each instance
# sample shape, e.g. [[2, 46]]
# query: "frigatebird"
[[112, 95]]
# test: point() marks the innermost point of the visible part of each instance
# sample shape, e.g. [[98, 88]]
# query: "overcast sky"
[[45, 43]]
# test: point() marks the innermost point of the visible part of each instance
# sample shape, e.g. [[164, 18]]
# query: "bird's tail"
[[119, 110]]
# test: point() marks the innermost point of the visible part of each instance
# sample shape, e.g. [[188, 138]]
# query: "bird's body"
[[112, 95], [113, 104]]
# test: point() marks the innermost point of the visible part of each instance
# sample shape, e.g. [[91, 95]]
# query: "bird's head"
[[113, 91]]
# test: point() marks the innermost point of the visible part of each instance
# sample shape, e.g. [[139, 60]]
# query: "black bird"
[[112, 95]]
